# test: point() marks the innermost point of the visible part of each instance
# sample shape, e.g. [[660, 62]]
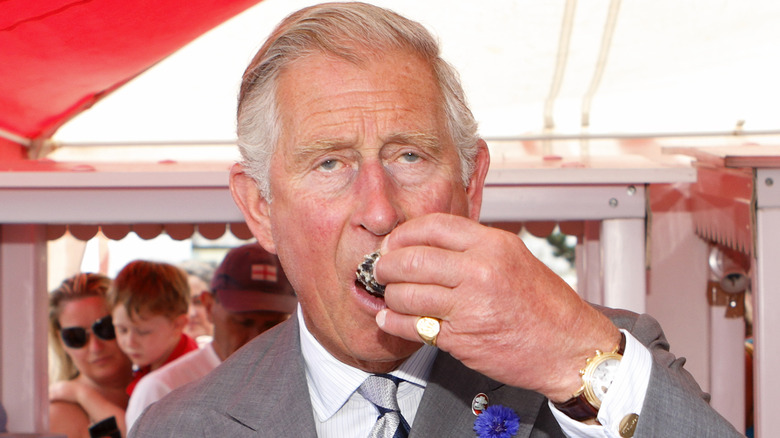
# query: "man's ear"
[[477, 181], [255, 208], [208, 303]]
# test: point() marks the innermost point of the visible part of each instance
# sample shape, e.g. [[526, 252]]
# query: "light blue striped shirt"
[[339, 411]]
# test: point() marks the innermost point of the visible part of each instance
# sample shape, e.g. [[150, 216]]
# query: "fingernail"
[[380, 317], [383, 247]]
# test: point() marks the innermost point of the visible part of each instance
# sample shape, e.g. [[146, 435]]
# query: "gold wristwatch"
[[597, 377]]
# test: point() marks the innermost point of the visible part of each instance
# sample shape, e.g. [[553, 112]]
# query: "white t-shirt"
[[158, 383]]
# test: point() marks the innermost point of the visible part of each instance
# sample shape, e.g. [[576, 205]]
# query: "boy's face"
[[147, 339]]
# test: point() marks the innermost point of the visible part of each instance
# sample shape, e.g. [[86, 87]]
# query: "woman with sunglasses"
[[92, 371]]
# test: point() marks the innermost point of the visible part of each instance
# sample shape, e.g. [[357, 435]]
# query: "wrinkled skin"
[[504, 313], [365, 157]]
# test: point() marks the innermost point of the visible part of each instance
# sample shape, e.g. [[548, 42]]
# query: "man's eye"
[[410, 157], [329, 165]]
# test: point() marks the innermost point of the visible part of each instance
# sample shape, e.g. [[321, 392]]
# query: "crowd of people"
[[120, 344]]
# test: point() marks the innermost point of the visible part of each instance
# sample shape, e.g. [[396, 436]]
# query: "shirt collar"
[[331, 382]]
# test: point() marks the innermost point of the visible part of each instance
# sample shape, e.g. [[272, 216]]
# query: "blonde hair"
[[347, 31], [151, 287], [77, 287]]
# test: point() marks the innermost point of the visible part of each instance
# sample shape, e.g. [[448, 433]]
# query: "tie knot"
[[380, 389]]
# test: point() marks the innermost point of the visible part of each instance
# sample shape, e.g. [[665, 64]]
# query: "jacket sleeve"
[[675, 404]]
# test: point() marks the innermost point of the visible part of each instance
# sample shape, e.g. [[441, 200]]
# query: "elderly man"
[[356, 137], [248, 295]]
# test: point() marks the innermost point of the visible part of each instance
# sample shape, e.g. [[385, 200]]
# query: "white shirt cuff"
[[626, 395]]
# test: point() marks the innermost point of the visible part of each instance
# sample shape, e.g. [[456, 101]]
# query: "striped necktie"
[[380, 390]]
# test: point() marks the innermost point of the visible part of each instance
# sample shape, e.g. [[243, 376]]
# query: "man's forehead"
[[316, 87], [364, 61]]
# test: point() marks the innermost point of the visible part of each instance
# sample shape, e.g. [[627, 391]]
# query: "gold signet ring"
[[428, 329]]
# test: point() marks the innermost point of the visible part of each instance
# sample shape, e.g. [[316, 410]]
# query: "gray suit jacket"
[[261, 391]]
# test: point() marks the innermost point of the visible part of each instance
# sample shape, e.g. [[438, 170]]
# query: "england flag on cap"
[[264, 272]]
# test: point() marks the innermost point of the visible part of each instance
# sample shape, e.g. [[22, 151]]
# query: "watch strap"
[[578, 407]]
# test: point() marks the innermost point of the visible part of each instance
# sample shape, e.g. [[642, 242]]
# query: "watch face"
[[598, 377], [602, 377]]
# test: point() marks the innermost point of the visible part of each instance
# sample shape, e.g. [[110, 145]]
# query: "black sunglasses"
[[77, 337]]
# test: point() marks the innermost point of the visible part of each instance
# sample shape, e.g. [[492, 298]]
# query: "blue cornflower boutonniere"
[[497, 421]]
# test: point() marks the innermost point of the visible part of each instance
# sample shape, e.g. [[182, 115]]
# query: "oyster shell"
[[365, 274]]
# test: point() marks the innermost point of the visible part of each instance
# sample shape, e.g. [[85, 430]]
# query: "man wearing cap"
[[249, 295]]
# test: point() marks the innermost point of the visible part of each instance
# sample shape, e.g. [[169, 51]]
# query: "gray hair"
[[345, 30]]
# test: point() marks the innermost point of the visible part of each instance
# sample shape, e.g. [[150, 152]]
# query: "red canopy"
[[58, 57]]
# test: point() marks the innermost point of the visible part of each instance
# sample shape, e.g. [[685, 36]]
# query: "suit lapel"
[[273, 398], [445, 409], [269, 395]]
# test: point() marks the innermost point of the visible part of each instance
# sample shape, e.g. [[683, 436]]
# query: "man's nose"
[[378, 210]]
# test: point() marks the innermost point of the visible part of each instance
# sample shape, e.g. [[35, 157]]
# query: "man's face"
[[363, 149], [234, 329]]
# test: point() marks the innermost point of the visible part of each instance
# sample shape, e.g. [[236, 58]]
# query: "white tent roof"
[[696, 66]]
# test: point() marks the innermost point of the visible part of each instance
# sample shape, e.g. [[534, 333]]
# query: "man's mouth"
[[361, 286]]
